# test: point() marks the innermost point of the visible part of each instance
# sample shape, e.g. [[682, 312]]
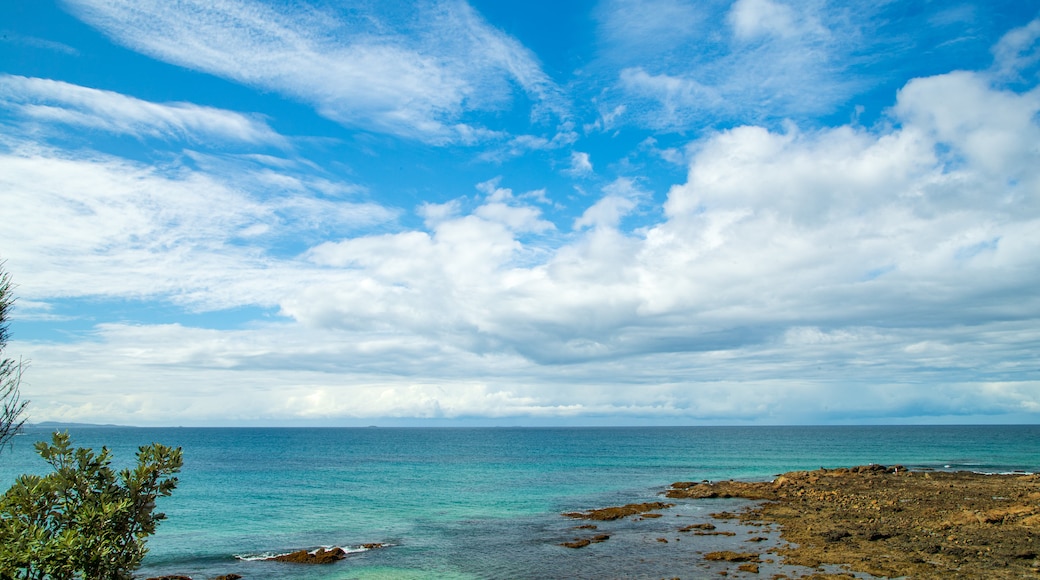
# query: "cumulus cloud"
[[55, 102], [784, 252], [994, 131], [360, 69]]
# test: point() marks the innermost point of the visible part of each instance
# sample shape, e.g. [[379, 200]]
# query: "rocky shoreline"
[[891, 522], [862, 522]]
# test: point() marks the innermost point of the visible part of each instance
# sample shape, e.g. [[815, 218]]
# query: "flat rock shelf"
[[891, 522]]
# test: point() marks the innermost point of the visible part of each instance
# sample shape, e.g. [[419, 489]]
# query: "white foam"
[[268, 555]]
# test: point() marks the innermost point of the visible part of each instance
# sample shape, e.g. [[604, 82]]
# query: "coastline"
[[891, 522], [496, 511]]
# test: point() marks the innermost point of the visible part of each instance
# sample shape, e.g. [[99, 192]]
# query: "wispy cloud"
[[757, 19], [758, 59], [190, 236], [55, 102], [1017, 54], [357, 68], [36, 42]]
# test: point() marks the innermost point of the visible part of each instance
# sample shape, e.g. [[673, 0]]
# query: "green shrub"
[[83, 520]]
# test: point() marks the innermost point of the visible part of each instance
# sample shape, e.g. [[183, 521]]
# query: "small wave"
[[268, 555], [255, 557]]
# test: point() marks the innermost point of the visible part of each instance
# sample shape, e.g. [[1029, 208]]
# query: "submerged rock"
[[582, 542], [577, 543], [705, 526]]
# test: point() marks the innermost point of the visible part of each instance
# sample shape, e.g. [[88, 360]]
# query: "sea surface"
[[486, 502]]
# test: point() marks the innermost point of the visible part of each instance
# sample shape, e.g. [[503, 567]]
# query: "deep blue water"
[[484, 502]]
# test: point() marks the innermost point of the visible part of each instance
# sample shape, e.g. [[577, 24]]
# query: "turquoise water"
[[483, 503]]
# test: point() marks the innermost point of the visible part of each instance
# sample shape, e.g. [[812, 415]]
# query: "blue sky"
[[594, 212]]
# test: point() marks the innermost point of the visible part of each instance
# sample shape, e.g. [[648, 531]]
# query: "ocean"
[[473, 503]]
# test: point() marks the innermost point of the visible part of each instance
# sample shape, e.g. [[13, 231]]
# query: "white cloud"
[[36, 42], [622, 196], [843, 273], [639, 27], [756, 18], [130, 230], [360, 70], [756, 60], [829, 229], [1018, 50], [580, 163], [522, 144], [994, 131], [679, 100], [55, 102], [284, 373]]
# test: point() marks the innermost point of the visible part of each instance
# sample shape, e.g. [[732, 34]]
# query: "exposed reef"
[[891, 522]]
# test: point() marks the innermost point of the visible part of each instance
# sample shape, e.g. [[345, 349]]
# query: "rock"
[[172, 577], [890, 522], [228, 577], [319, 556], [744, 489], [874, 535], [616, 513], [582, 542], [749, 567], [729, 556], [835, 535], [691, 527]]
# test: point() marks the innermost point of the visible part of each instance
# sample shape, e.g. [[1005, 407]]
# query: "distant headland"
[[66, 425]]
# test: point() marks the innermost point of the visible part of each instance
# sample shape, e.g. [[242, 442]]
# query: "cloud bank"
[[798, 271], [862, 272]]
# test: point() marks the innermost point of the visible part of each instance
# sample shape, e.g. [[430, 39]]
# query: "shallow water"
[[485, 503]]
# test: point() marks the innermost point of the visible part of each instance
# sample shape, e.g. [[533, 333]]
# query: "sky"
[[593, 212]]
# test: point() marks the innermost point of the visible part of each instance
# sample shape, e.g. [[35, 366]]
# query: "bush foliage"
[[83, 520]]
